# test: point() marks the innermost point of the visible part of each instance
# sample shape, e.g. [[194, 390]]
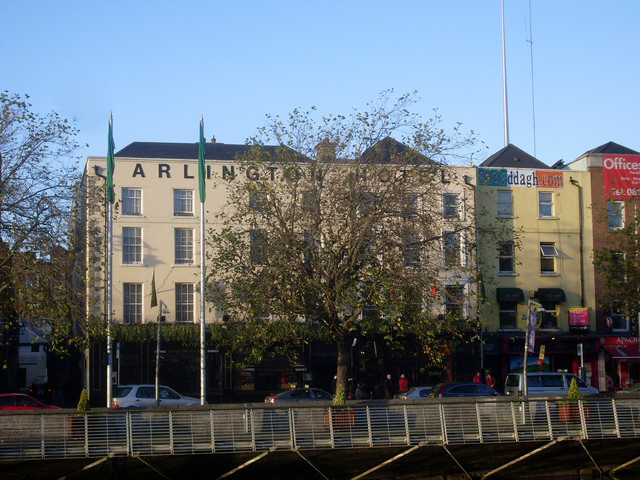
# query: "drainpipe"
[[580, 201]]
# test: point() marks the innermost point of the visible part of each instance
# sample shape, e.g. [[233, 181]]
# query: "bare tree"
[[342, 227], [36, 189]]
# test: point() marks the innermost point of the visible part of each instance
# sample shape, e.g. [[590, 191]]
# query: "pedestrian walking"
[[403, 383], [490, 380], [478, 377]]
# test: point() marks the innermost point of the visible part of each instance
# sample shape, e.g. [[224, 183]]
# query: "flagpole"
[[202, 192], [110, 200]]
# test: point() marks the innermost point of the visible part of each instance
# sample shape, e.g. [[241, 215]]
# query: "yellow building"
[[535, 245]]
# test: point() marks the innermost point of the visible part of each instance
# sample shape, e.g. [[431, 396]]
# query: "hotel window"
[[450, 206], [548, 254], [505, 203], [615, 214], [411, 250], [451, 248], [184, 302], [131, 201], [131, 245], [454, 301], [183, 202], [506, 263], [132, 298], [183, 238], [411, 201], [545, 204], [508, 314], [257, 242]]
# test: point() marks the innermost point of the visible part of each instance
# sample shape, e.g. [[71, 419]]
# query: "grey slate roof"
[[213, 151], [388, 150], [512, 156], [611, 147]]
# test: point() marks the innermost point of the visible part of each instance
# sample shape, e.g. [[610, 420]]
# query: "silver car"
[[144, 396], [415, 392]]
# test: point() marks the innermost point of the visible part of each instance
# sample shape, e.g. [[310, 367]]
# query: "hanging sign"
[[578, 317], [533, 317]]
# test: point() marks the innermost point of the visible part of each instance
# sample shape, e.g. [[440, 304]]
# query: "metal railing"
[[255, 428]]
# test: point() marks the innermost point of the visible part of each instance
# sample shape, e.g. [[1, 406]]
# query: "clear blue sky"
[[158, 65]]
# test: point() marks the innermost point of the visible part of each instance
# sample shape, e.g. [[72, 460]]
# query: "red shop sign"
[[621, 175]]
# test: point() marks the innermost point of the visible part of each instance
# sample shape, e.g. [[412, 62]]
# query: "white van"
[[545, 383]]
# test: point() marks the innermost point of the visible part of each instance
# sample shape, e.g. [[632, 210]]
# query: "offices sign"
[[519, 177], [621, 174]]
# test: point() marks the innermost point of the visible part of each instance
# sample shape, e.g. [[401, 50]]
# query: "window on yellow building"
[[505, 203], [545, 204], [506, 262], [549, 315], [548, 254], [508, 314]]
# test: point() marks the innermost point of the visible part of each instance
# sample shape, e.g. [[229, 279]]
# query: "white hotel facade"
[[156, 228]]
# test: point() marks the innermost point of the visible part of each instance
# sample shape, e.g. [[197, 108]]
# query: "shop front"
[[553, 353], [621, 357]]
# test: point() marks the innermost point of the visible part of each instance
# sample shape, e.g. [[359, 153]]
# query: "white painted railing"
[[256, 427]]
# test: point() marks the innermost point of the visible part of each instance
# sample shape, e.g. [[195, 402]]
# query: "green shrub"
[[574, 393], [83, 403]]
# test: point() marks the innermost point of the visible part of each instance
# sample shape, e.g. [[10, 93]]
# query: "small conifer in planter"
[[569, 409]]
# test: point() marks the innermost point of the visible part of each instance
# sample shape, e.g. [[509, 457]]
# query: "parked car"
[[143, 396], [415, 392], [635, 390], [41, 391], [20, 401], [545, 383], [300, 395], [456, 389]]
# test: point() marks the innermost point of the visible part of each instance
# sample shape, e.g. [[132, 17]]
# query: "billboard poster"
[[520, 177], [621, 175]]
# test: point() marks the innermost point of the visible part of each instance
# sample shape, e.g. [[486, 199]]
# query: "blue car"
[[456, 389]]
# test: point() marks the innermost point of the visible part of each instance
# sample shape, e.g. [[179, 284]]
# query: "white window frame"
[[544, 204], [182, 202], [132, 303], [548, 251], [129, 201], [510, 256], [615, 215], [502, 206], [451, 211], [132, 246], [185, 302], [183, 240], [617, 316]]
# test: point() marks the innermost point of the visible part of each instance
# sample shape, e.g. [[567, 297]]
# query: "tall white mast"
[[504, 84]]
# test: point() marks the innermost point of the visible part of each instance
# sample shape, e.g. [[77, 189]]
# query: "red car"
[[19, 401]]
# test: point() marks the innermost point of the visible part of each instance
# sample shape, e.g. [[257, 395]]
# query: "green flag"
[[154, 296], [201, 168], [111, 165]]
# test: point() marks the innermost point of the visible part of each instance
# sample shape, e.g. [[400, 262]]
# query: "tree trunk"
[[341, 372]]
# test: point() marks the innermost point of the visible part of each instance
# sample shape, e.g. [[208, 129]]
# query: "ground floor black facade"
[[369, 362]]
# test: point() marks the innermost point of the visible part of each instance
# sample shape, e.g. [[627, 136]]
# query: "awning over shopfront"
[[510, 295], [551, 295], [630, 353]]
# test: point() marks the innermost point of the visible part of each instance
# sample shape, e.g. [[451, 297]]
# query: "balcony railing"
[[257, 427]]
